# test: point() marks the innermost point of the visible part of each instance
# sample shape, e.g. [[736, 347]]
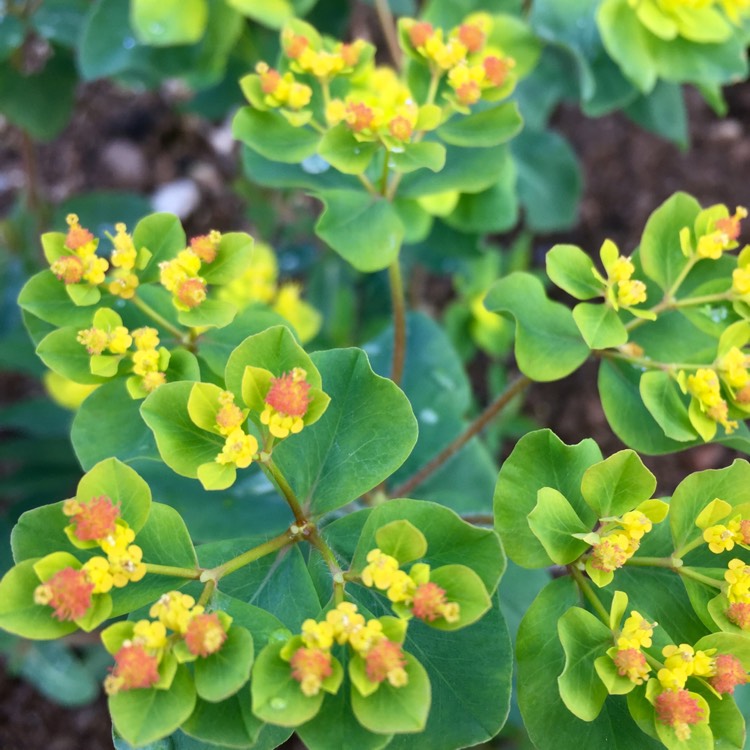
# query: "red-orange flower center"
[[495, 69], [471, 36], [675, 707], [135, 668], [95, 519], [78, 237], [296, 44], [69, 592], [420, 33], [739, 614], [729, 674], [310, 662], [383, 658], [359, 116], [205, 635], [400, 128], [289, 394], [68, 269], [204, 247], [191, 292], [429, 600]]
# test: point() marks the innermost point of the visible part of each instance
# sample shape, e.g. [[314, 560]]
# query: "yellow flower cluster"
[[286, 402], [123, 258], [149, 360], [308, 55], [704, 386], [181, 275], [684, 661], [310, 653], [619, 542], [473, 69], [629, 291], [123, 563], [83, 264], [239, 449], [423, 598]]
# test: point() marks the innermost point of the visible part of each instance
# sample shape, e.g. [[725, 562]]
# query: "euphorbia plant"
[[301, 571]]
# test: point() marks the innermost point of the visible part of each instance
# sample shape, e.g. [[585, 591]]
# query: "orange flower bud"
[[68, 269]]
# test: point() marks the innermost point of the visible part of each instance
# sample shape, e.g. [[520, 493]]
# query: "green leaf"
[[25, 96], [389, 709], [424, 155], [572, 270], [584, 638], [363, 230], [548, 345], [660, 252], [277, 696], [628, 43], [233, 256], [83, 295], [146, 715], [229, 723], [540, 656], [108, 423], [182, 445], [554, 521], [62, 353], [344, 152], [163, 236], [211, 313], [271, 13], [272, 136], [449, 539], [274, 349], [731, 484], [540, 459], [222, 674], [401, 539], [617, 484], [661, 396], [663, 111], [45, 297], [169, 22], [599, 325], [463, 586], [19, 614], [489, 127], [550, 183], [365, 434]]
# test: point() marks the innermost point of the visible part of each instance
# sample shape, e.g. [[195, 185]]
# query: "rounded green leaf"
[[488, 127], [599, 325], [364, 435], [573, 270], [182, 444], [163, 236], [233, 256], [229, 723], [554, 521], [145, 715], [344, 152], [423, 155], [389, 709], [364, 230], [449, 539], [272, 136], [62, 353], [277, 696], [44, 296], [660, 252], [20, 614], [540, 459], [661, 396], [222, 674], [402, 540], [122, 485], [548, 344], [275, 350], [169, 22], [617, 484], [211, 313], [584, 639]]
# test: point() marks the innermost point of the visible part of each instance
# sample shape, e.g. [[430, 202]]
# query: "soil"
[[123, 140]]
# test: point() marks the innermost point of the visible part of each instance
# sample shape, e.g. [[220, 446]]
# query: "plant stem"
[[473, 429], [384, 174], [173, 570], [655, 562], [399, 321], [158, 318], [690, 546], [271, 470], [479, 519], [267, 548], [690, 573], [337, 574], [650, 364], [589, 593], [208, 589], [389, 31], [368, 186], [673, 304]]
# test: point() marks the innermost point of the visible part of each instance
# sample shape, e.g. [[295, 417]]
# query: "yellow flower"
[[721, 538], [732, 368], [97, 569], [175, 611], [381, 570], [124, 254], [631, 292], [239, 449], [738, 578], [636, 632], [119, 340], [317, 634], [345, 620], [365, 638], [145, 338], [152, 635]]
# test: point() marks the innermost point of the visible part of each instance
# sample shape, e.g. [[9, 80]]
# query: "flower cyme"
[[678, 709], [636, 632], [68, 592], [286, 402], [134, 668], [205, 634], [380, 571], [310, 666], [729, 673], [386, 661], [93, 520], [239, 449], [429, 604], [631, 663]]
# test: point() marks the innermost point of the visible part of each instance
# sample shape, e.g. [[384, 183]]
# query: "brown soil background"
[[121, 140]]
